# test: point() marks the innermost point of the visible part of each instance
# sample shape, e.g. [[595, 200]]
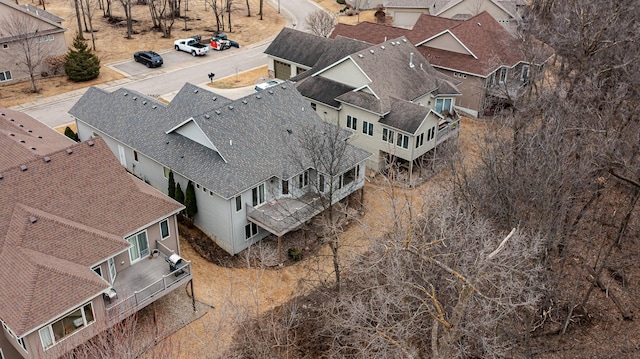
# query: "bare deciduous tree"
[[321, 23], [33, 46]]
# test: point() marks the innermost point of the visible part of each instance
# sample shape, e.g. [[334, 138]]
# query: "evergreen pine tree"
[[190, 201], [172, 186], [72, 135], [179, 194], [81, 64]]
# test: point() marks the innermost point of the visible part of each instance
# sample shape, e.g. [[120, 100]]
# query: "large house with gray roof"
[[256, 162], [490, 65], [396, 105], [77, 240]]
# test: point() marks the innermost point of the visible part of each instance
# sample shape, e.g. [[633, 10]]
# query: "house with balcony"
[[83, 243], [395, 104], [491, 66], [27, 35], [257, 163]]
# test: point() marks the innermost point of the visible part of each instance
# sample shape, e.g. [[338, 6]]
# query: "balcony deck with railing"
[[283, 215], [447, 130], [143, 283]]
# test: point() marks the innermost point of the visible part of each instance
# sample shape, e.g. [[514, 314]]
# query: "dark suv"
[[149, 58]]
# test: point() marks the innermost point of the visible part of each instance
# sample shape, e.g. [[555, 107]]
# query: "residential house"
[[492, 66], [398, 107], [27, 34], [405, 13], [78, 236], [248, 160]]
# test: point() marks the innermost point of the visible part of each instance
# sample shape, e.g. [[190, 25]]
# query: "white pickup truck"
[[191, 46]]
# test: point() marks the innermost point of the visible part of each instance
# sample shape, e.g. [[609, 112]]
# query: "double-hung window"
[[502, 75], [388, 135], [164, 229], [352, 122], [250, 230], [257, 195], [367, 128], [238, 203], [5, 76], [139, 246], [420, 140], [303, 179], [402, 141]]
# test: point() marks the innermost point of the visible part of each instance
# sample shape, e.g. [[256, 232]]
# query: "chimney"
[[411, 60]]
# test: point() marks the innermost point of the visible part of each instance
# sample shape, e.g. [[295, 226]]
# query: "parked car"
[[148, 58], [266, 85], [192, 46]]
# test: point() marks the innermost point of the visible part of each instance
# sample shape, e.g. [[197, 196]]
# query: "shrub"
[[72, 135], [179, 194], [171, 190], [55, 64], [190, 201], [81, 64], [295, 253]]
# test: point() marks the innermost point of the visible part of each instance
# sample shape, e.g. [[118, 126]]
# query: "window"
[[139, 246], [166, 171], [97, 270], [524, 76], [431, 133], [5, 46], [5, 76], [367, 128], [164, 229], [313, 106], [250, 230], [388, 135], [443, 104], [285, 187], [238, 203], [1, 355], [460, 75], [197, 186], [22, 344], [402, 141], [502, 75], [420, 140], [303, 179], [258, 195], [55, 332], [204, 189], [348, 177], [321, 183], [135, 156], [352, 122]]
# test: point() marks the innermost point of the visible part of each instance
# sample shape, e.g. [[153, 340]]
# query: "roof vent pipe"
[[411, 60]]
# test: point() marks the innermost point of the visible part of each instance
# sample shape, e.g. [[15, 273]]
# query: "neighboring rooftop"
[[60, 214], [226, 147], [488, 44], [23, 138]]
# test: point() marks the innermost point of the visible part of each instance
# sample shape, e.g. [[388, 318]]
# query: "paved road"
[[178, 68]]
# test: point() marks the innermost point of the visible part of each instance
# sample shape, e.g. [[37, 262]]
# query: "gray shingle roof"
[[406, 116], [323, 90], [286, 46], [339, 48], [250, 135], [396, 69]]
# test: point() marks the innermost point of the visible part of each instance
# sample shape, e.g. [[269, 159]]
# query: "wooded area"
[[529, 246]]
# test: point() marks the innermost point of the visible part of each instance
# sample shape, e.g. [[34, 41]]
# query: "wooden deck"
[[283, 215], [143, 283]]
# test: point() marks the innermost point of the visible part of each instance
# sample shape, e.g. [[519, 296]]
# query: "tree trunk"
[[93, 37], [75, 3]]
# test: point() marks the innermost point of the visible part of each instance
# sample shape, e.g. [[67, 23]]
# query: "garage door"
[[283, 71]]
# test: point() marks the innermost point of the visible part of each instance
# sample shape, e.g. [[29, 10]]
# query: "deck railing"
[[140, 298]]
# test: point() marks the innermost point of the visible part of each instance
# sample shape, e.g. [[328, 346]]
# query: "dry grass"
[[112, 45]]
